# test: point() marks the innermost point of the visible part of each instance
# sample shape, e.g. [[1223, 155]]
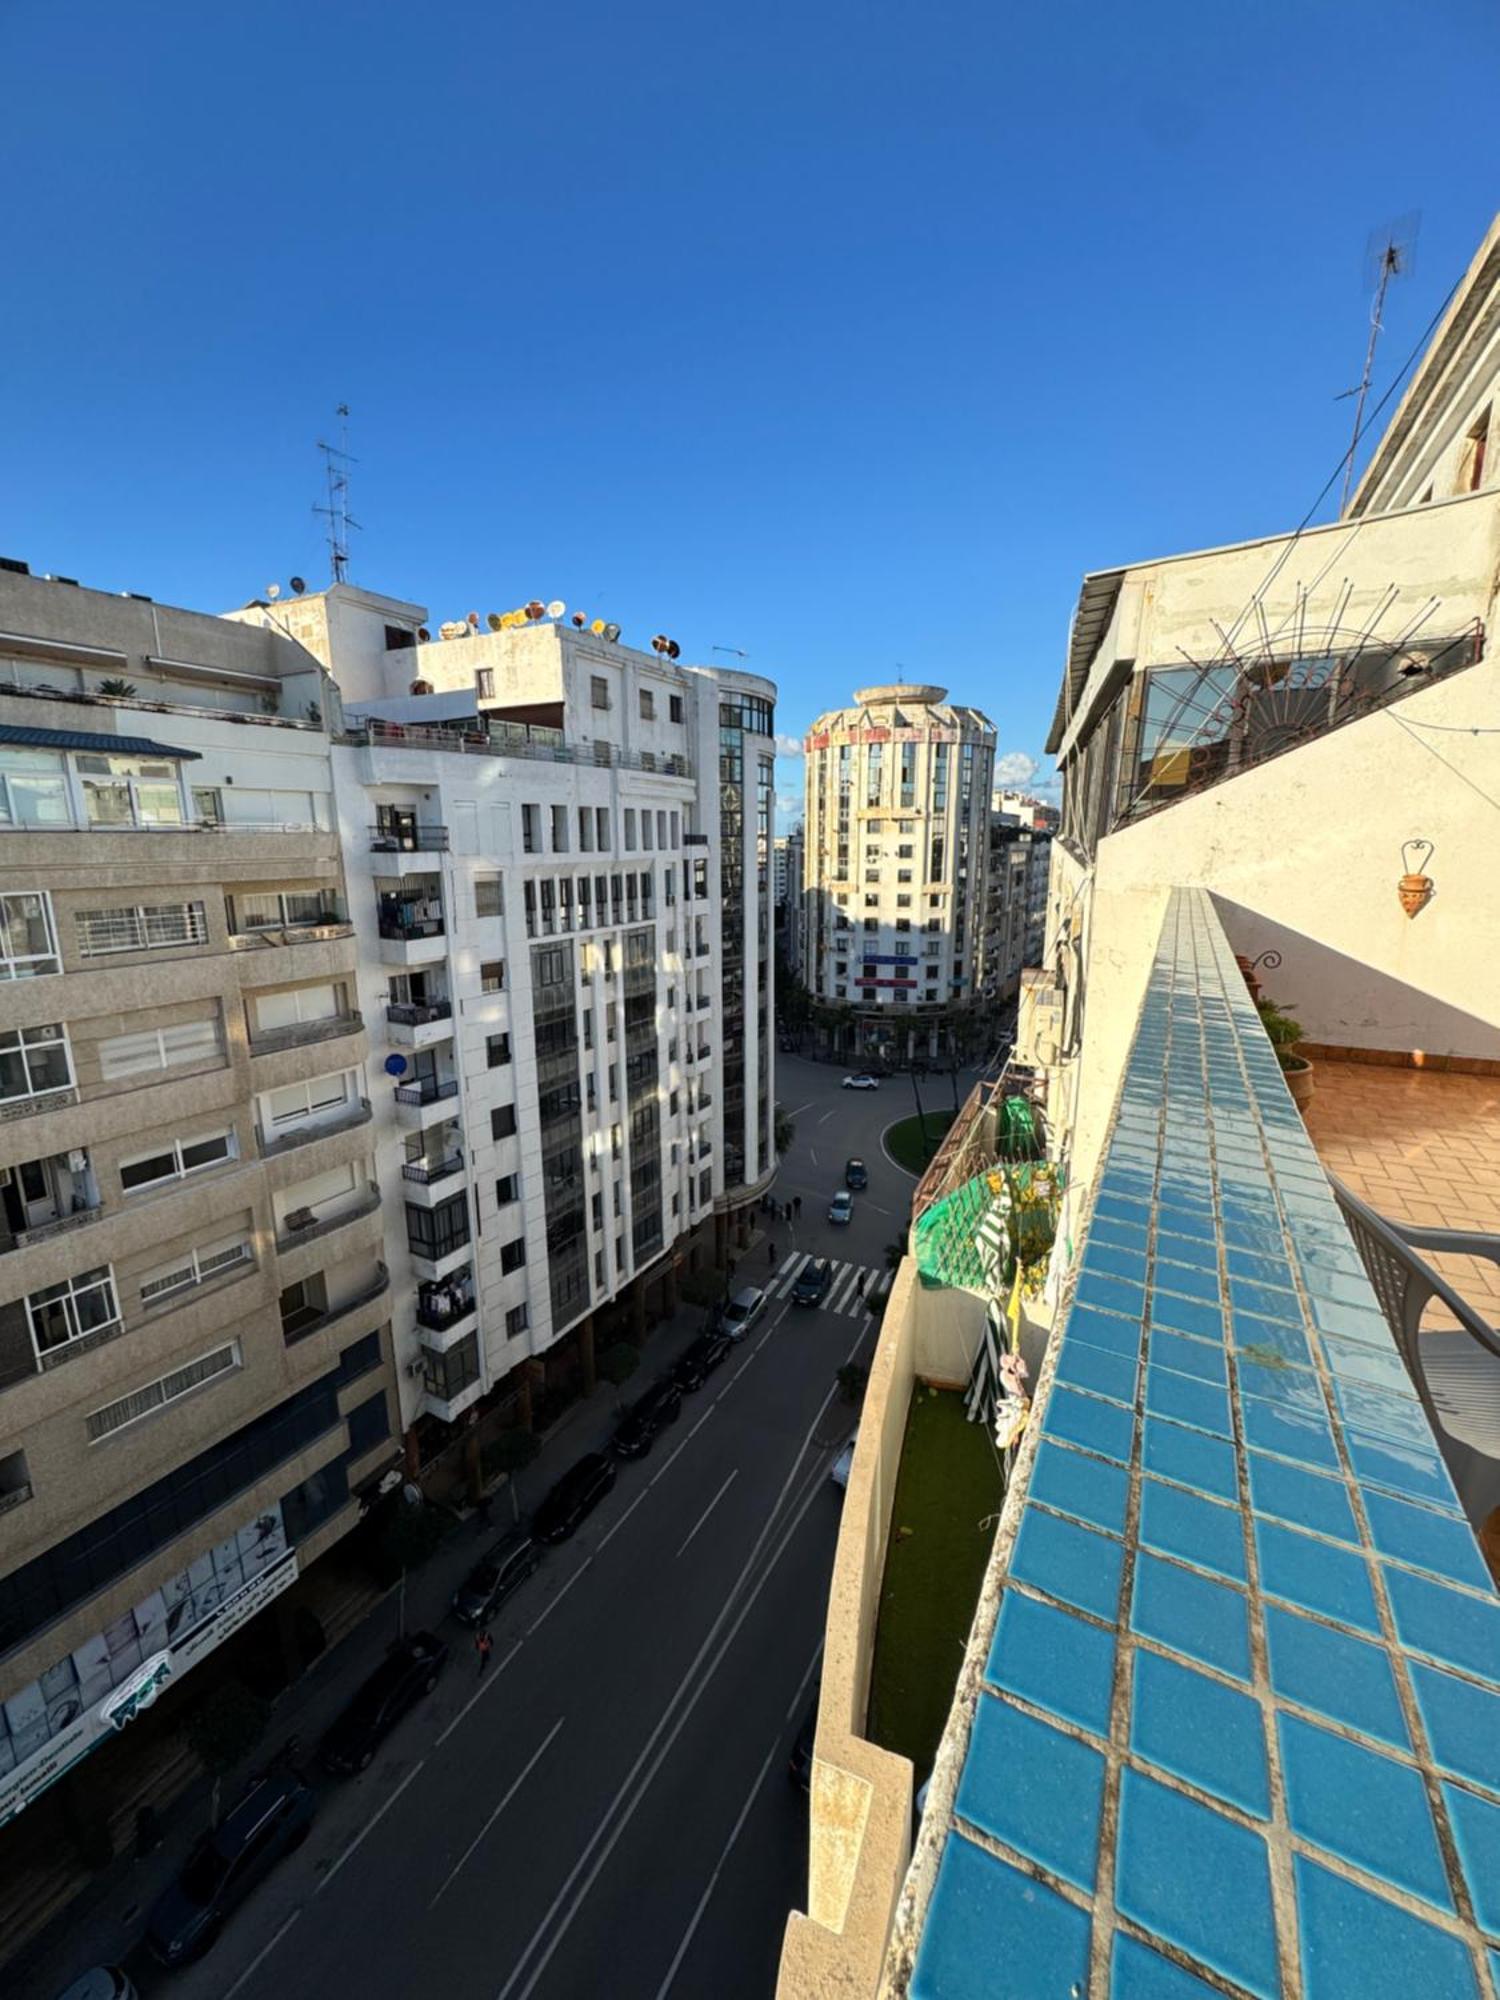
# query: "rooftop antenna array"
[[1390, 253], [337, 461]]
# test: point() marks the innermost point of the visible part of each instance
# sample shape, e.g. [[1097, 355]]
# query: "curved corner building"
[[897, 815]]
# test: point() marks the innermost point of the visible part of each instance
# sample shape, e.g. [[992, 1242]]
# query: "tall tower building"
[[897, 816]]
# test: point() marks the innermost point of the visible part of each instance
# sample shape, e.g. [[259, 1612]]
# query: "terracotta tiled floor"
[[1419, 1146]]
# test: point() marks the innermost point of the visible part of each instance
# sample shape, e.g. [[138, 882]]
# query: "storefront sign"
[[133, 1696], [885, 982]]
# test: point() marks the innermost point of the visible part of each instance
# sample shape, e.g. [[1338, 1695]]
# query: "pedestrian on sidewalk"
[[797, 1206], [770, 1250], [484, 1645]]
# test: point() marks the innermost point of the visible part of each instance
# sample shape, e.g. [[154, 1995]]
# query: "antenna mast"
[[1389, 255], [336, 462]]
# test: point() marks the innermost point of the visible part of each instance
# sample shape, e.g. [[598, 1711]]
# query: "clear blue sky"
[[845, 332]]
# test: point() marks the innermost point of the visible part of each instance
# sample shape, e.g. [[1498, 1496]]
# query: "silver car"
[[743, 1310]]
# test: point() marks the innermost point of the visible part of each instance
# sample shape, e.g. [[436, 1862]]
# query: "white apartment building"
[[897, 832], [789, 862], [350, 1065]]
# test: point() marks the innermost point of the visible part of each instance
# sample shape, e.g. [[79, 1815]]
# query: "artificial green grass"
[[949, 1482], [904, 1141]]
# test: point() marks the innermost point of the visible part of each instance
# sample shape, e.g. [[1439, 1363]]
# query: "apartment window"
[[646, 832], [674, 707], [195, 1267], [705, 1184], [33, 789], [841, 966], [282, 910], [531, 830], [129, 791], [648, 705], [503, 1122], [488, 897], [34, 1061], [176, 1160], [513, 1254], [1476, 446], [28, 939], [516, 1321], [931, 993], [903, 923], [492, 975], [872, 923], [903, 902], [559, 829], [934, 902], [166, 1389], [672, 1104], [872, 902], [630, 829], [840, 992], [484, 683], [434, 1233], [158, 1048], [74, 1310], [298, 1007], [592, 1084], [598, 691], [497, 1050], [507, 1190], [601, 832], [320, 1097], [368, 1422]]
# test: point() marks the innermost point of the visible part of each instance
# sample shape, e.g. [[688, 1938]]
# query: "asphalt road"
[[607, 1810]]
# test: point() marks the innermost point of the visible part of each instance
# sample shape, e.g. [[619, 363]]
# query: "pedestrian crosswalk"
[[852, 1288]]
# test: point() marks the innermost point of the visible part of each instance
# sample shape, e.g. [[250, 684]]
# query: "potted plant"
[[1284, 1033]]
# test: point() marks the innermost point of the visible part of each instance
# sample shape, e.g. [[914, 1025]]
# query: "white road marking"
[[878, 1209], [687, 1937], [700, 1423], [842, 1288], [261, 1956], [812, 1156], [803, 1107], [787, 1265], [369, 1827], [605, 1540], [484, 1686], [531, 1763], [667, 1466], [825, 1118], [690, 1679], [560, 1596], [711, 1506], [796, 1701]]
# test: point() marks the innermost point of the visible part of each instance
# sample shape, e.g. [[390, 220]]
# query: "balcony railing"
[[426, 1172], [426, 1090], [304, 1225], [14, 1496], [269, 1041], [302, 1328], [695, 840], [409, 1014], [358, 1113], [438, 1314], [333, 923], [40, 1231], [513, 740], [404, 930], [408, 840]]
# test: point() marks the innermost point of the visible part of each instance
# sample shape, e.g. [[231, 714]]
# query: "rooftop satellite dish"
[[472, 621], [536, 609], [556, 608], [424, 635], [493, 621], [674, 651], [597, 628], [611, 632], [299, 584], [273, 591], [580, 619]]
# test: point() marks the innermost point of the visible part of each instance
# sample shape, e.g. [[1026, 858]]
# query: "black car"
[[491, 1581], [856, 1175], [270, 1820], [812, 1283], [573, 1498], [638, 1428], [800, 1763], [408, 1671], [697, 1362]]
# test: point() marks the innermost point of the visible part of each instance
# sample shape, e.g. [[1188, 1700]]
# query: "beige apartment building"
[[1231, 1489], [195, 1367]]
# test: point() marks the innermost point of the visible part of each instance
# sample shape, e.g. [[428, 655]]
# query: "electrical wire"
[[1433, 751]]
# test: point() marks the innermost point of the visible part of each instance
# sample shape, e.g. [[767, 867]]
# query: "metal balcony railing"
[[269, 1041], [426, 1172], [296, 1230], [409, 1014], [438, 1314], [426, 1090], [302, 1327], [408, 840], [514, 740], [358, 1113], [405, 930], [39, 1232]]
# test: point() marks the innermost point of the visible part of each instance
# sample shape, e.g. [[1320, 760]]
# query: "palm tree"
[[118, 689], [783, 1131], [895, 1250]]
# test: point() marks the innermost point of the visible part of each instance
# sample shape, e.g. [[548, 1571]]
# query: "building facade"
[[897, 841]]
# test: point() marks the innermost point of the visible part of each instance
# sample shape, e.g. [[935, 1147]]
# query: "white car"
[[841, 1208], [839, 1470], [861, 1082], [743, 1310]]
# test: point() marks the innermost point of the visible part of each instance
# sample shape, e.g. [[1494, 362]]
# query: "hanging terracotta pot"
[[1415, 892]]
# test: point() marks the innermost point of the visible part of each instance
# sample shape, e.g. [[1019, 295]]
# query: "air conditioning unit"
[[416, 1368], [1039, 1021]]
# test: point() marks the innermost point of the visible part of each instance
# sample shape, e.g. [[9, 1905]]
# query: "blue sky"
[[843, 332]]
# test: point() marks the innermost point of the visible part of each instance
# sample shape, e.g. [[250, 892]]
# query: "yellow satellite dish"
[[556, 608], [597, 628]]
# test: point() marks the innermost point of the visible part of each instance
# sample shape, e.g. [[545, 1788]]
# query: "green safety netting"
[[954, 1240]]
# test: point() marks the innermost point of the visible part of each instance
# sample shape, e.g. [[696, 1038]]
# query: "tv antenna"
[[1390, 253], [738, 651], [337, 461]]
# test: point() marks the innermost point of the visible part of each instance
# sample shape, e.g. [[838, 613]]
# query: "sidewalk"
[[103, 1923]]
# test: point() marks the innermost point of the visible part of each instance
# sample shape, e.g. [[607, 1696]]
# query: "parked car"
[[697, 1362], [638, 1429], [864, 1081], [812, 1283], [839, 1471], [103, 1982], [841, 1208], [270, 1820], [574, 1498], [800, 1763], [513, 1558], [743, 1310], [856, 1174], [409, 1671]]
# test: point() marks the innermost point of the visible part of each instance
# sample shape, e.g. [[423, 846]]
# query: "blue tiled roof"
[[1241, 1709], [21, 737]]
